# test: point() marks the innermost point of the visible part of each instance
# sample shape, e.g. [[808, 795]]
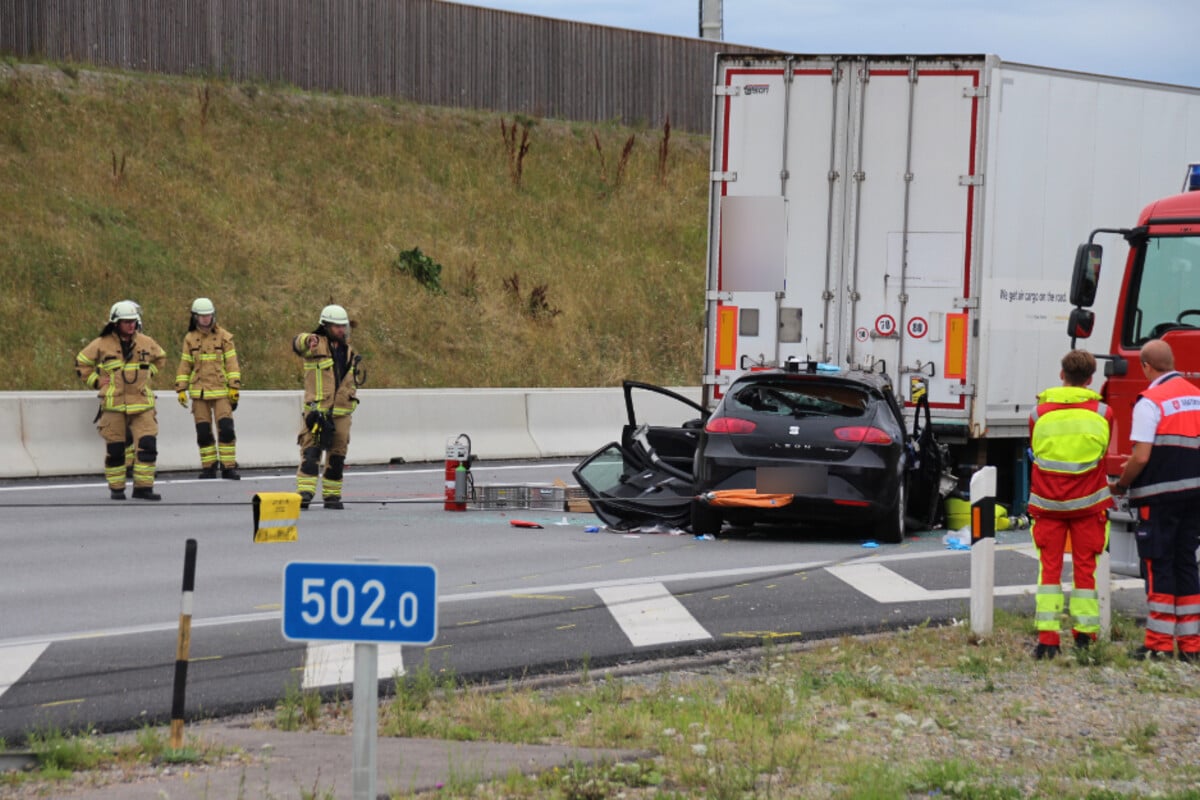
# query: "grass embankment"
[[585, 269], [926, 712]]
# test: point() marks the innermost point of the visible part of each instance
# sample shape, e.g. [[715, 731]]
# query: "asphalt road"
[[90, 590]]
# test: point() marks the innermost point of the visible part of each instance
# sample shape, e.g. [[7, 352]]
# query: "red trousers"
[[1089, 537]]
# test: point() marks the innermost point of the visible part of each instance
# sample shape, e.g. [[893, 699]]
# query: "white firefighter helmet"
[[202, 306], [334, 315], [125, 309]]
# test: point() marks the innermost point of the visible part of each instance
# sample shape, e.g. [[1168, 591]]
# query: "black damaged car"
[[801, 445], [796, 445]]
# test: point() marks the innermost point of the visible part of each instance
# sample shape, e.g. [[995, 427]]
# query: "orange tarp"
[[746, 498]]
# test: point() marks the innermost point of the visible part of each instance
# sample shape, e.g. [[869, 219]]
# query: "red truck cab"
[[1159, 299]]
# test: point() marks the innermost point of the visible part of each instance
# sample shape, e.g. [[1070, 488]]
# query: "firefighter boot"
[[230, 473], [208, 473], [305, 499], [334, 502], [145, 493], [116, 494]]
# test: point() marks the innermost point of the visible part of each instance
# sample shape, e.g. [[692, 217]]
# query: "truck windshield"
[[1165, 294]]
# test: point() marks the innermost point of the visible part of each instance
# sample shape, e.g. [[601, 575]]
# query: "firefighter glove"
[[183, 398], [312, 421], [234, 394]]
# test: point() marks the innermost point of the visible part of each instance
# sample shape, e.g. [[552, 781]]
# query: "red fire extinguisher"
[[458, 472]]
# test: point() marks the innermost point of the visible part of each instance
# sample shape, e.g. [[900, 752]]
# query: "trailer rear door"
[[842, 218]]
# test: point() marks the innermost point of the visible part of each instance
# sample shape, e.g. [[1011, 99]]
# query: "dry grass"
[[275, 203]]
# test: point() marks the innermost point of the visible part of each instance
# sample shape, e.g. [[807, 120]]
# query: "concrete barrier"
[[15, 460], [414, 424], [59, 432], [573, 422], [52, 433]]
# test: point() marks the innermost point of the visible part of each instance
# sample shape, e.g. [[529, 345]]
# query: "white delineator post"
[[1104, 591], [983, 549]]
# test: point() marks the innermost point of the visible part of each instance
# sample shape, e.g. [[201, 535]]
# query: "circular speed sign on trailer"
[[885, 324], [861, 334], [918, 327]]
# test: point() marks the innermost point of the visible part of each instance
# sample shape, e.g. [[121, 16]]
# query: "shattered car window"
[[799, 400]]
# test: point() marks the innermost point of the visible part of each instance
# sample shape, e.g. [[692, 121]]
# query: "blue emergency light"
[[1192, 182]]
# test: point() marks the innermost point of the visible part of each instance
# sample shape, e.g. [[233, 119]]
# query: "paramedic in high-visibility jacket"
[[332, 374], [1069, 496], [1162, 476], [119, 364]]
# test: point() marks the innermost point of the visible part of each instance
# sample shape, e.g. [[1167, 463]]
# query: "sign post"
[[365, 603]]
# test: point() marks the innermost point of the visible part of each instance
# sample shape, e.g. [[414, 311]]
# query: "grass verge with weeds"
[[92, 758], [920, 713], [924, 712]]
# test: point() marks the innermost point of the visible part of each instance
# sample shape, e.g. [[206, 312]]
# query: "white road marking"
[[566, 588], [885, 586], [332, 663], [649, 614], [440, 470], [16, 661]]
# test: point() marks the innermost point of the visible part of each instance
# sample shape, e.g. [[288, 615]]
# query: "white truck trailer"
[[918, 216]]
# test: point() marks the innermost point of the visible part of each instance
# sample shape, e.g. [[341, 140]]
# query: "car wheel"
[[892, 529], [705, 519]]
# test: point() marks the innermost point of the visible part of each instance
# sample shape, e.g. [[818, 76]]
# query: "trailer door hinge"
[[729, 177], [727, 91], [970, 180], [965, 302], [962, 389], [717, 380], [971, 92], [716, 294]]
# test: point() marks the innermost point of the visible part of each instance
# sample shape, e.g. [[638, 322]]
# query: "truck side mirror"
[[1116, 366], [1080, 324], [1086, 276]]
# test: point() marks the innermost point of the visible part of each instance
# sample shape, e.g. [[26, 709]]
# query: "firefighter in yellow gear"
[[210, 377], [332, 374], [120, 365]]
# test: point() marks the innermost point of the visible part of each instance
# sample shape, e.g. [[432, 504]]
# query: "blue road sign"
[[360, 602]]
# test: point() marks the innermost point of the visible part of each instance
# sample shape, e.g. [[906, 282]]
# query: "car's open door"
[[646, 478], [664, 423], [627, 493]]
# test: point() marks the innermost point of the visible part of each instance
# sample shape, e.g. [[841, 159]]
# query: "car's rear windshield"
[[798, 399]]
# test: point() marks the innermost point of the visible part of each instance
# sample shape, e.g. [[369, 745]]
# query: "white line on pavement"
[[332, 663], [291, 476], [885, 586], [649, 614], [16, 661]]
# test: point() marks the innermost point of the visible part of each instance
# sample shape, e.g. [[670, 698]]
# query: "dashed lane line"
[[16, 661], [649, 614], [885, 586], [332, 663]]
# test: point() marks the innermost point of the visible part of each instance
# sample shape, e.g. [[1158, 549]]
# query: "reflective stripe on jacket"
[[321, 387], [209, 364], [1070, 431], [1173, 471], [129, 390]]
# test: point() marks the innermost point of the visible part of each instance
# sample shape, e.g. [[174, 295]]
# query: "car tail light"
[[729, 425], [855, 503], [863, 434]]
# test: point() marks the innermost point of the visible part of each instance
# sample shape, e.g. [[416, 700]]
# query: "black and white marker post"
[[983, 549], [183, 645]]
